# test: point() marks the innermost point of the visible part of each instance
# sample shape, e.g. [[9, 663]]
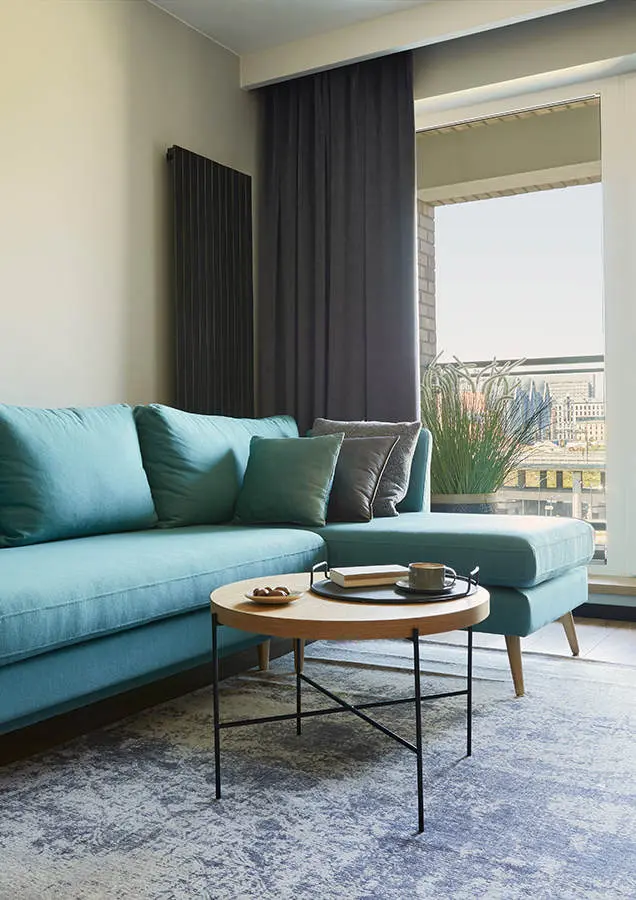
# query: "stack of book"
[[366, 576]]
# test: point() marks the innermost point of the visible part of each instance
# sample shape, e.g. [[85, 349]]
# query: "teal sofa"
[[114, 528], [86, 615]]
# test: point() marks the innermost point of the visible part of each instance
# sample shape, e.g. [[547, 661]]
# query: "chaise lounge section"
[[534, 568]]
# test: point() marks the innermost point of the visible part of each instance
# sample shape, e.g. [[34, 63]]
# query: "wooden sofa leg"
[[263, 656], [513, 646], [570, 631], [299, 664]]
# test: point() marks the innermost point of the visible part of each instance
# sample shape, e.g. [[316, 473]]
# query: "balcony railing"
[[564, 473]]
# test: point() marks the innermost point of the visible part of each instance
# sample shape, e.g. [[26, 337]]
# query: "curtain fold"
[[337, 310]]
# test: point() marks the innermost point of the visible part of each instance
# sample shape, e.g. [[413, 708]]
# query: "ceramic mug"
[[426, 576]]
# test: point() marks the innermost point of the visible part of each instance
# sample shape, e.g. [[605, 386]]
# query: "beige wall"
[[91, 95], [508, 147], [602, 31]]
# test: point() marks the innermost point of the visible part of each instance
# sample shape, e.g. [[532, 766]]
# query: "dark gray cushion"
[[358, 471], [395, 478]]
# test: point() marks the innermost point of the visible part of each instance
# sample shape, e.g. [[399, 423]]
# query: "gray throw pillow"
[[358, 472], [395, 478]]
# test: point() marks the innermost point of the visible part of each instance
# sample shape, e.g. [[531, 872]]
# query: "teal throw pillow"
[[195, 463], [288, 480], [67, 473]]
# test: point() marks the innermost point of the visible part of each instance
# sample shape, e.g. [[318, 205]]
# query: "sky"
[[520, 276]]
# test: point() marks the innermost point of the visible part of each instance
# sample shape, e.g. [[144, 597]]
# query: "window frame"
[[617, 96]]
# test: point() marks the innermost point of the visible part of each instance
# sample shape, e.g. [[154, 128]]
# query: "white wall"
[[91, 95]]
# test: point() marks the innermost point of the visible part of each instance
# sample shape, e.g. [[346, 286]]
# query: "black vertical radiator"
[[213, 291]]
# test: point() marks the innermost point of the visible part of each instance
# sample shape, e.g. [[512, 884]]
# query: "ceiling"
[[246, 26], [280, 39]]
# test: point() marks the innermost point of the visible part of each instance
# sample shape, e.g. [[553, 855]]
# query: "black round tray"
[[388, 593]]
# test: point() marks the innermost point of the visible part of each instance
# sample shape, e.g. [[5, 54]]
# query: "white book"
[[363, 576]]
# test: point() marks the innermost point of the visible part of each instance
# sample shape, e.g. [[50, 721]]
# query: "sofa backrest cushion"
[[196, 463], [68, 473]]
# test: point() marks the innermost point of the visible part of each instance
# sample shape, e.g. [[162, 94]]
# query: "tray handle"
[[319, 567]]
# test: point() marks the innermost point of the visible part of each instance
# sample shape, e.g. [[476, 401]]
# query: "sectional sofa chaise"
[[115, 525]]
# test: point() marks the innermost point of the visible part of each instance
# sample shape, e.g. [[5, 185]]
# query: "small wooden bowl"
[[273, 601]]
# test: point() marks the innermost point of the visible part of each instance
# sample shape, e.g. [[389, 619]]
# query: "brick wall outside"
[[426, 281]]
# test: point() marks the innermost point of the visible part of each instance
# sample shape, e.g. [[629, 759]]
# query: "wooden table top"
[[317, 618]]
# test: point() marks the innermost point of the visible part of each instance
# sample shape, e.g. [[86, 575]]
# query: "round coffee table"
[[317, 618]]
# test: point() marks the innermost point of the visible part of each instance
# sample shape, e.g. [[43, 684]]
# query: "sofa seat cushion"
[[516, 551], [58, 594]]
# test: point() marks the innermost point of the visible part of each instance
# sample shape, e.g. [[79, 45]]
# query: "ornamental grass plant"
[[481, 429]]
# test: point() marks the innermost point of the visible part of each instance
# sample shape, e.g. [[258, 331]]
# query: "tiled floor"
[[599, 639]]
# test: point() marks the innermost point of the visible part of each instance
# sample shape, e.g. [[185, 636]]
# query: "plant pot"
[[463, 503]]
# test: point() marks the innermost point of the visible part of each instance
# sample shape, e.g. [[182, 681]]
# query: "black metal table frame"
[[343, 706]]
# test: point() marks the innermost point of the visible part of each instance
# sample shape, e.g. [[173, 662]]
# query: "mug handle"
[[450, 572]]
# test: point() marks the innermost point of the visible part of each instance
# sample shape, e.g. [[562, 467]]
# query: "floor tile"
[[599, 639], [552, 638], [618, 646], [485, 641]]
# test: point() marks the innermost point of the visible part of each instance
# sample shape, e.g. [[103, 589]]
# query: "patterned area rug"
[[543, 809]]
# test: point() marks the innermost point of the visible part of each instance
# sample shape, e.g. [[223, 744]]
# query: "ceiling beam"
[[574, 82], [432, 22]]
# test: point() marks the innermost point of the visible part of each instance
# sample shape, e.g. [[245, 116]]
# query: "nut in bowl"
[[276, 596]]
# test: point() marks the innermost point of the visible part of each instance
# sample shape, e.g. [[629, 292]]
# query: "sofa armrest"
[[418, 495]]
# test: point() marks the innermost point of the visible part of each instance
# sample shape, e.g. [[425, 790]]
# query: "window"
[[520, 277]]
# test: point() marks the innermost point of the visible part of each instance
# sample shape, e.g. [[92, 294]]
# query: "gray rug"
[[544, 808]]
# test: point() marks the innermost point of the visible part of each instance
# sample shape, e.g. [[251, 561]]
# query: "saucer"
[[274, 601], [405, 585]]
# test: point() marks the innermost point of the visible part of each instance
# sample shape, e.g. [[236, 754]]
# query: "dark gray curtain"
[[336, 312]]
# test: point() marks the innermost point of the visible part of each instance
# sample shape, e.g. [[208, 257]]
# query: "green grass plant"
[[481, 432]]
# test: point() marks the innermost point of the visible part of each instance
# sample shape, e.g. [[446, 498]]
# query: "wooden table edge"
[[263, 620]]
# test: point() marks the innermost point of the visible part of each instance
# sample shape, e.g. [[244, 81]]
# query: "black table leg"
[[418, 729], [469, 696], [215, 696], [298, 657], [343, 706]]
